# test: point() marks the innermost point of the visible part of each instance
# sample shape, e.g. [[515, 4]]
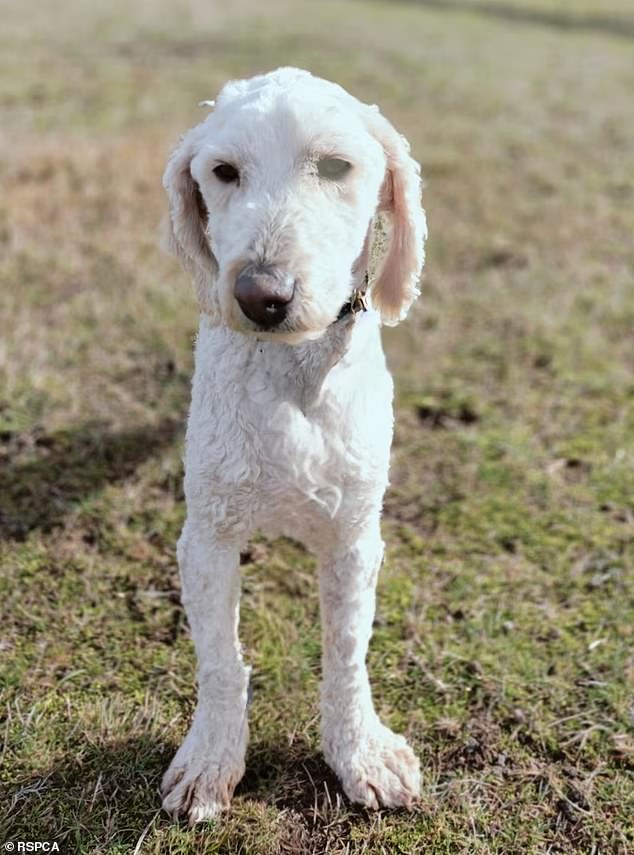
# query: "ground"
[[504, 636]]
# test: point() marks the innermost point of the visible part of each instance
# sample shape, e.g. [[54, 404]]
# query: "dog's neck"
[[316, 359], [296, 372]]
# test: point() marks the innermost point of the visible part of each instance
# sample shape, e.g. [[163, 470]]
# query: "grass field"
[[504, 639]]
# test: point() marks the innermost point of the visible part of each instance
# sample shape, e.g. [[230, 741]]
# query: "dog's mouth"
[[286, 333], [293, 338]]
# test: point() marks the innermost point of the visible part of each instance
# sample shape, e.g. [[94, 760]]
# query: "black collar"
[[357, 302]]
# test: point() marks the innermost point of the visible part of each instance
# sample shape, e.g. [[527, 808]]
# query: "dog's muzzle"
[[264, 294]]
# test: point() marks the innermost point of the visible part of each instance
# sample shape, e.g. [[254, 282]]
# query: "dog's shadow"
[[43, 482], [99, 796], [293, 776]]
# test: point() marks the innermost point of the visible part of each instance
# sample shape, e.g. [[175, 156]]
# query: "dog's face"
[[272, 200]]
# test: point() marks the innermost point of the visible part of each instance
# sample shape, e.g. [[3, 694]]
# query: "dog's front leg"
[[376, 766], [210, 762]]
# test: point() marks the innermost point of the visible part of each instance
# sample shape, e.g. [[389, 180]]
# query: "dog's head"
[[272, 201]]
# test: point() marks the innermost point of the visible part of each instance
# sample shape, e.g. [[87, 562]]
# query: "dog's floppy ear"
[[189, 219], [396, 284]]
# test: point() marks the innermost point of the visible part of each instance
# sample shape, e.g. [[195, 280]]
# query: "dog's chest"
[[270, 455]]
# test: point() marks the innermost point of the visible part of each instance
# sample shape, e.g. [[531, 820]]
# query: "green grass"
[[504, 636]]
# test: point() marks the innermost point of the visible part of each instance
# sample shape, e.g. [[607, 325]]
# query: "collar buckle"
[[358, 301]]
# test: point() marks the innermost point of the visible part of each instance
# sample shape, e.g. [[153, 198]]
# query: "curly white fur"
[[290, 430]]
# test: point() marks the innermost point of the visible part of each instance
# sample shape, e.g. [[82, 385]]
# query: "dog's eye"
[[227, 173], [333, 168]]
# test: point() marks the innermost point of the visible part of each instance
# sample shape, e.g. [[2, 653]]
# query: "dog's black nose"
[[264, 294]]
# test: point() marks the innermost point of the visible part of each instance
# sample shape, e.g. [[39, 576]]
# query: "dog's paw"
[[201, 779], [377, 769]]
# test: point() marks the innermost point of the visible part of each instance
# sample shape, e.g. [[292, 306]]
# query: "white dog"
[[272, 204]]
